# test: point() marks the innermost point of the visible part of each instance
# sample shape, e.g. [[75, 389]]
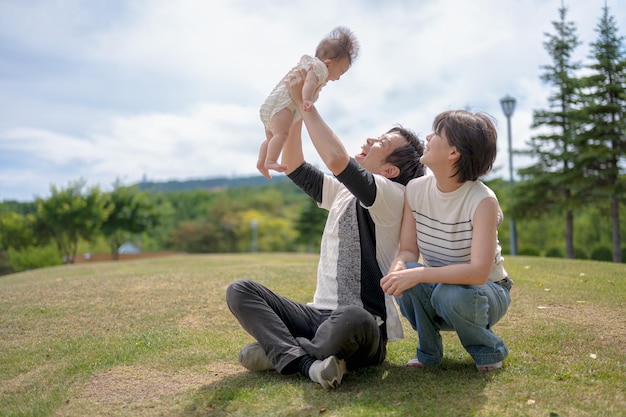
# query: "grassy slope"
[[154, 337]]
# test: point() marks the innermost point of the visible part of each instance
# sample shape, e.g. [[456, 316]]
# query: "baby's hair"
[[338, 44]]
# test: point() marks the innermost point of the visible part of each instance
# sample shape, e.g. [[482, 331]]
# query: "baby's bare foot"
[[260, 165], [275, 166]]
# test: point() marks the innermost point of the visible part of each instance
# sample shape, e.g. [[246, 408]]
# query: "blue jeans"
[[469, 310]]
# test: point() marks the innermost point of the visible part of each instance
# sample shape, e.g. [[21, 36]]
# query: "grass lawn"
[[154, 337]]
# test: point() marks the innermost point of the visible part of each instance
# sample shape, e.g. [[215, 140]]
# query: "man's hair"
[[407, 157], [474, 136]]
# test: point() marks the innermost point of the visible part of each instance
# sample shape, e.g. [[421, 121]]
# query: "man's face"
[[374, 152]]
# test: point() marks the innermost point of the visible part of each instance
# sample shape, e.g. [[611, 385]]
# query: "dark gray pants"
[[288, 330]]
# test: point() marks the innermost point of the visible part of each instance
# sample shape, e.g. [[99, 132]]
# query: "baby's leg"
[[280, 125], [260, 163]]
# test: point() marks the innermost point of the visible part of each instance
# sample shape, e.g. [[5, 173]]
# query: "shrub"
[[580, 254], [529, 251], [5, 266], [33, 257], [602, 253], [554, 253]]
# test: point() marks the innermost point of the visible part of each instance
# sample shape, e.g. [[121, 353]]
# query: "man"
[[350, 319]]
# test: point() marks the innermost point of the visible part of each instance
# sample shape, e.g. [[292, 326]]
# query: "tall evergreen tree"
[[551, 184], [603, 141]]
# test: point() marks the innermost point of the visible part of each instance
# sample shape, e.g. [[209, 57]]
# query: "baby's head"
[[338, 50]]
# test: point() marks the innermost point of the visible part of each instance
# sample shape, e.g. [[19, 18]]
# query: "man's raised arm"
[[292, 155], [326, 142]]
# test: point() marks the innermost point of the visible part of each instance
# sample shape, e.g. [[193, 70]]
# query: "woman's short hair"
[[474, 136]]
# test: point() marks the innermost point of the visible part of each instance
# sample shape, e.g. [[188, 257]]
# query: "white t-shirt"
[[342, 241], [444, 222]]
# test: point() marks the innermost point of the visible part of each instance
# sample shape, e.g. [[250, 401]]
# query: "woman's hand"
[[397, 281]]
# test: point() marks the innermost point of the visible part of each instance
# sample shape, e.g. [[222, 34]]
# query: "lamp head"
[[508, 105]]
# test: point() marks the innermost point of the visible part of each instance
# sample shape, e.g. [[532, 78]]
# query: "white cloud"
[[170, 90]]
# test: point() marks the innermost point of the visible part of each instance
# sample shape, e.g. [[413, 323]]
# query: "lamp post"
[[254, 225], [508, 106]]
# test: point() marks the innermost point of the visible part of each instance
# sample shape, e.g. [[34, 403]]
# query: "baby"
[[333, 57]]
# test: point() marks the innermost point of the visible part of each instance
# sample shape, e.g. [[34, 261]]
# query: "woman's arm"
[[476, 272], [408, 252]]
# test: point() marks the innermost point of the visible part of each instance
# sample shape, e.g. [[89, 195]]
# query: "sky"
[[120, 91]]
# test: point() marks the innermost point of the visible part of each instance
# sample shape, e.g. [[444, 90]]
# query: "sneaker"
[[415, 363], [329, 372], [489, 367], [253, 358]]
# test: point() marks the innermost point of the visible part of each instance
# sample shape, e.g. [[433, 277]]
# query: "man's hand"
[[294, 82], [326, 143]]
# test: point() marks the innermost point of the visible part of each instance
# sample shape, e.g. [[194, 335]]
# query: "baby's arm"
[[308, 89]]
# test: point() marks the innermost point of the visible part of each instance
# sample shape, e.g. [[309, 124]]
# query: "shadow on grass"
[[454, 388]]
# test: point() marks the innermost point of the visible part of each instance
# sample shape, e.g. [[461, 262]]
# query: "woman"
[[450, 219]]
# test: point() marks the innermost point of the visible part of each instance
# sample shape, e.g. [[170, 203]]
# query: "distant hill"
[[210, 183]]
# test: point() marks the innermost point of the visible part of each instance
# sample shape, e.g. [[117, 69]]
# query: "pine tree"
[[551, 184], [603, 141]]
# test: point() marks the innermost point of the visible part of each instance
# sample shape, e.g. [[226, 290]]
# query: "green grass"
[[154, 337]]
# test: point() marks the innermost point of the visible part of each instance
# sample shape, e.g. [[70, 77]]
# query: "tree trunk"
[[617, 240], [569, 234], [114, 247]]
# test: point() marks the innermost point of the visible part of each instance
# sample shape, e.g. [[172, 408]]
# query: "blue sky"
[[112, 90]]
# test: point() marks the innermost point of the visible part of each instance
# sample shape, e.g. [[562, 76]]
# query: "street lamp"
[[508, 106], [254, 225]]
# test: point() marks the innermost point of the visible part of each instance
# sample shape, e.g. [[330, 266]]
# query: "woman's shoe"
[[415, 363], [489, 367]]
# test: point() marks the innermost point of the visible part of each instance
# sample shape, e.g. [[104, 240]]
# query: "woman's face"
[[437, 150]]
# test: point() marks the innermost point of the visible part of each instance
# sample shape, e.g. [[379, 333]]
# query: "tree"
[[310, 225], [274, 233], [16, 231], [188, 205], [18, 246], [227, 223], [16, 224], [70, 214], [552, 182], [12, 206], [130, 212], [604, 136], [198, 237]]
